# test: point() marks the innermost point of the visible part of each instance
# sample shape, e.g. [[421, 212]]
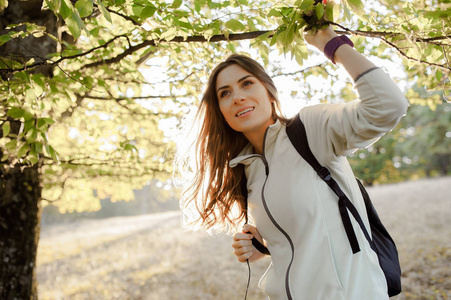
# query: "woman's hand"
[[242, 244], [320, 38]]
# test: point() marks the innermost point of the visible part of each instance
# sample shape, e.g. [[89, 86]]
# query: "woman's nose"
[[237, 97]]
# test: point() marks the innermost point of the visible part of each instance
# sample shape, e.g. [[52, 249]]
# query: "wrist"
[[332, 45]]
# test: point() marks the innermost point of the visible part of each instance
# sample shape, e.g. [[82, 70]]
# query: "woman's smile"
[[245, 112]]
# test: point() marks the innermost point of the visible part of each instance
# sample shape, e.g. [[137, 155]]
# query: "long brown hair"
[[215, 189]]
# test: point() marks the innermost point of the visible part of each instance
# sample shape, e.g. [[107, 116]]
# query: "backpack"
[[380, 240]]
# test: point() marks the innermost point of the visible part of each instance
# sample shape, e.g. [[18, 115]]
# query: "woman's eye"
[[247, 83], [223, 94]]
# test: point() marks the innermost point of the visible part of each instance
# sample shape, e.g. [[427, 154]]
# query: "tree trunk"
[[20, 188], [20, 192]]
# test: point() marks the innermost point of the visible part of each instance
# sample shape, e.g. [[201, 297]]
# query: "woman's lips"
[[245, 111]]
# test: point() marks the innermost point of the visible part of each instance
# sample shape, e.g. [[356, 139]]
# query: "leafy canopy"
[[88, 108]]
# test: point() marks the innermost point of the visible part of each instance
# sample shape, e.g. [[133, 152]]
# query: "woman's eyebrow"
[[239, 80]]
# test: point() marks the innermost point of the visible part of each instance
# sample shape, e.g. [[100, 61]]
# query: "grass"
[[153, 257]]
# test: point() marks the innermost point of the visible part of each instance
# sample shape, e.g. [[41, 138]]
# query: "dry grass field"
[[152, 257]]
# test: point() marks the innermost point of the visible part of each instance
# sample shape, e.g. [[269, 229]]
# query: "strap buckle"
[[324, 174]]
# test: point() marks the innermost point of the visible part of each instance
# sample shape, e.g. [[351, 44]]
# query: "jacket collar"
[[247, 154]]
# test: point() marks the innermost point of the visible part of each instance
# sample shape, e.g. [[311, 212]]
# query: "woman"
[[294, 212]]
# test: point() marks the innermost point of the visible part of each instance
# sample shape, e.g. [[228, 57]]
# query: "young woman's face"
[[243, 100]]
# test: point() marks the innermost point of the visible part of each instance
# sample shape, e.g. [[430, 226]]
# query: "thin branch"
[[177, 39], [379, 34], [413, 58], [124, 17], [445, 55], [134, 98], [54, 63], [382, 36], [299, 71]]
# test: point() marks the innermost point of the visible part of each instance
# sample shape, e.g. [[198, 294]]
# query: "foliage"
[[88, 108], [419, 146]]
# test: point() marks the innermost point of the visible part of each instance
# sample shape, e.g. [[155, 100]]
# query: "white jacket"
[[297, 213]]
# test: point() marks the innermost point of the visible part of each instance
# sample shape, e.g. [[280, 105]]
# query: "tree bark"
[[20, 184], [20, 192]]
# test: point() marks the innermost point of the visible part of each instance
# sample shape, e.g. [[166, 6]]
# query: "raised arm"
[[345, 55], [343, 127]]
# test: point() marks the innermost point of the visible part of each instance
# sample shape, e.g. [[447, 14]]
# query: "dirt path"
[[152, 257]]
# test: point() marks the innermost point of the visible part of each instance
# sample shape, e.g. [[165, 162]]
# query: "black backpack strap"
[[298, 137]]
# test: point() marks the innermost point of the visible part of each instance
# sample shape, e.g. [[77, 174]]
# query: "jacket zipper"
[[268, 212]]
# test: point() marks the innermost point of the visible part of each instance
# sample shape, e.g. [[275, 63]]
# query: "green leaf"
[[234, 25], [6, 127], [303, 5], [33, 157], [11, 145], [4, 38], [32, 135], [84, 7], [104, 12], [28, 116], [356, 7], [319, 10], [444, 14], [197, 5], [176, 3], [66, 9], [42, 125], [54, 5], [137, 9], [130, 147], [28, 125], [15, 112], [274, 13], [169, 34], [95, 32], [147, 12], [30, 95], [48, 121], [381, 48], [52, 153], [23, 150], [332, 11], [39, 84]]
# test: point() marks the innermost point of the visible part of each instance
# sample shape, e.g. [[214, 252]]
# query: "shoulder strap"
[[298, 137]]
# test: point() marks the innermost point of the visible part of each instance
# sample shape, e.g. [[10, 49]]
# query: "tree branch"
[[55, 63], [124, 16], [383, 35], [178, 39], [299, 71], [133, 98]]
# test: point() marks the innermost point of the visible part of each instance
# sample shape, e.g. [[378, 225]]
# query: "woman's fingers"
[[242, 236], [250, 229], [242, 246], [241, 243], [244, 256]]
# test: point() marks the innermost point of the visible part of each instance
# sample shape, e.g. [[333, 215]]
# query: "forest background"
[[93, 92]]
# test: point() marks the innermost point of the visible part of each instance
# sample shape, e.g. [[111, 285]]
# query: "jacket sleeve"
[[340, 129]]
